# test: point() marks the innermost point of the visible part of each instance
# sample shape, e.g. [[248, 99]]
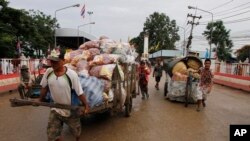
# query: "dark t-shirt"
[[158, 71]]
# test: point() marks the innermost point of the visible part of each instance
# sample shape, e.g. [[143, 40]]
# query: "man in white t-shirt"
[[60, 90]]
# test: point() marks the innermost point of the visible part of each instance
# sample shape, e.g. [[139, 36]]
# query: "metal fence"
[[242, 69]]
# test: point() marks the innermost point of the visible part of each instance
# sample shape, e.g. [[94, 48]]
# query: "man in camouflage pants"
[[25, 82]]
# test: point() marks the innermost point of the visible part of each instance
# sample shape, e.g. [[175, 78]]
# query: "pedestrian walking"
[[167, 78], [55, 81], [205, 84], [144, 72], [25, 83], [40, 64], [157, 73]]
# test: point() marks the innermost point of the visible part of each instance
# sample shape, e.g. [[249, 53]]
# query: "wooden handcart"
[[129, 83]]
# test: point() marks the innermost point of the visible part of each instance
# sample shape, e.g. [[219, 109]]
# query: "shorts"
[[158, 78], [205, 93], [55, 125], [201, 93]]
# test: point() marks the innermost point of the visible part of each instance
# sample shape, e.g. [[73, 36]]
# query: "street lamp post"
[[78, 30], [211, 33], [184, 30], [75, 5]]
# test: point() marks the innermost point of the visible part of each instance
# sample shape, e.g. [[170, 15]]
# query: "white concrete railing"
[[242, 69], [11, 66]]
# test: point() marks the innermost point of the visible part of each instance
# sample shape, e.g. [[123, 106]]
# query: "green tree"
[[34, 29], [163, 33], [137, 42], [42, 33], [220, 38], [12, 28], [4, 3], [243, 53]]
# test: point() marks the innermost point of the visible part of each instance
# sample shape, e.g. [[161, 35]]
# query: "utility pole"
[[191, 32]]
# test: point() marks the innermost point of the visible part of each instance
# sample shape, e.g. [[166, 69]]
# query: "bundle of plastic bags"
[[95, 62], [93, 89]]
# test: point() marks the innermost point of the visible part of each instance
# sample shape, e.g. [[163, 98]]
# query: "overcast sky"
[[120, 19]]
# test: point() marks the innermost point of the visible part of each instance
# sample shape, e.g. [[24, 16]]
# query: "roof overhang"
[[72, 38], [70, 32]]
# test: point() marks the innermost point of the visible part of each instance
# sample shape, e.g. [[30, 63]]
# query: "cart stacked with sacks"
[[107, 71], [183, 74]]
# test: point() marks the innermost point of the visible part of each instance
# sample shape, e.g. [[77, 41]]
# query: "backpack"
[[74, 97]]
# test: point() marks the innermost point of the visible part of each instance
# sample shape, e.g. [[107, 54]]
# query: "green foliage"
[[4, 3], [33, 29], [42, 32], [163, 33], [220, 38], [243, 53], [138, 43]]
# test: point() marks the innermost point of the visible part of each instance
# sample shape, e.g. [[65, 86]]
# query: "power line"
[[241, 40], [232, 21], [234, 7], [216, 8], [232, 37], [240, 43], [245, 36], [232, 11], [221, 5], [237, 21], [200, 38], [226, 11], [241, 32], [230, 16], [236, 14]]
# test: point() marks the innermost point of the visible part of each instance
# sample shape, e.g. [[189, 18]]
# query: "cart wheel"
[[128, 107]]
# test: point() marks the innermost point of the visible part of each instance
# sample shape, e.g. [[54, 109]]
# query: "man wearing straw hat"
[[57, 80], [25, 82]]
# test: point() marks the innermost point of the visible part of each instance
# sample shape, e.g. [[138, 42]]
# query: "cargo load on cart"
[[107, 71], [184, 78]]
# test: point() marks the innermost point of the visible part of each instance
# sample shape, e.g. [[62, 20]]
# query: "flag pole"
[[18, 47]]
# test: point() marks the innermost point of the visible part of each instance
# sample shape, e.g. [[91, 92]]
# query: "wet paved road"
[[155, 119]]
